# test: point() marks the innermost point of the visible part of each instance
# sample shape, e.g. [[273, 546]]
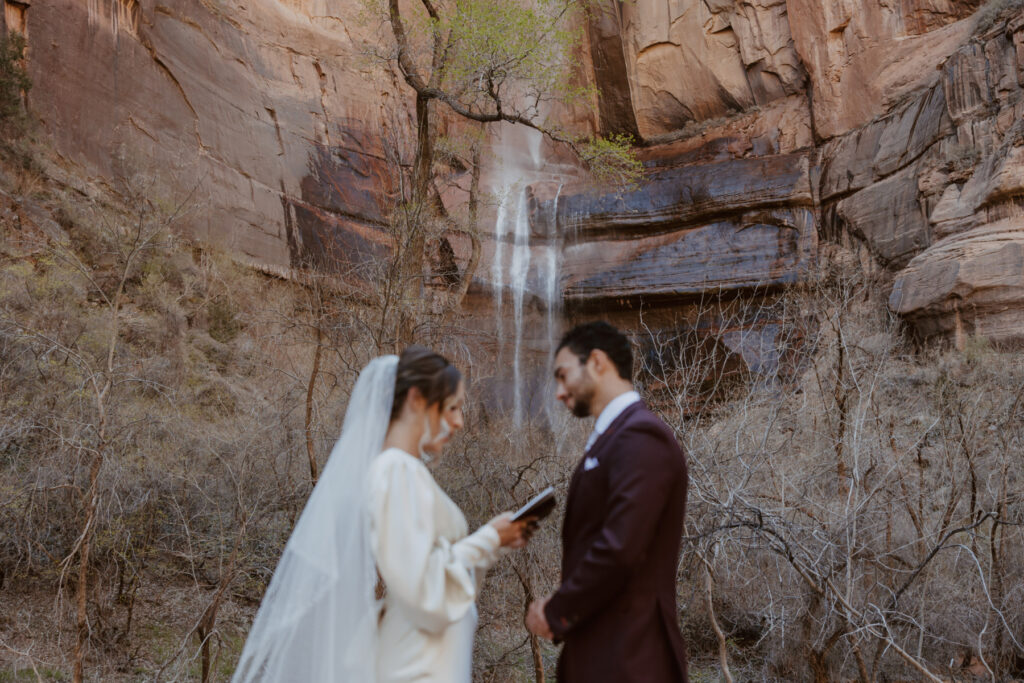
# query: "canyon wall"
[[271, 117], [767, 128], [771, 125]]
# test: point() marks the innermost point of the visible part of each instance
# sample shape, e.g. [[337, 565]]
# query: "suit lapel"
[[601, 442], [605, 437], [568, 525]]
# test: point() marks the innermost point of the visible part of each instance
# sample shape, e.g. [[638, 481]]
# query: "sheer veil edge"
[[318, 619]]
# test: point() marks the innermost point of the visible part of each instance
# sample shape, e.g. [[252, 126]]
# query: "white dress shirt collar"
[[610, 412]]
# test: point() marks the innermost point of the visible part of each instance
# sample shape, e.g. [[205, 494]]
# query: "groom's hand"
[[536, 621]]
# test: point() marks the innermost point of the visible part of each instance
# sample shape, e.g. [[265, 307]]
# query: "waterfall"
[[521, 268], [552, 300], [552, 304], [518, 271], [498, 266]]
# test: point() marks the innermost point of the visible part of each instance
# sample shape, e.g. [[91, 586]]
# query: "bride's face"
[[450, 410]]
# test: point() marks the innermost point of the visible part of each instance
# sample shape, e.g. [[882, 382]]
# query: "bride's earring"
[[428, 437], [424, 440]]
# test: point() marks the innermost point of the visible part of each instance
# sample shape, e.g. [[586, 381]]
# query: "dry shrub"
[[855, 500], [861, 516], [183, 469]]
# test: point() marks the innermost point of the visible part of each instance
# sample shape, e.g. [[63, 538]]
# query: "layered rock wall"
[[768, 125], [261, 112], [908, 117], [934, 181]]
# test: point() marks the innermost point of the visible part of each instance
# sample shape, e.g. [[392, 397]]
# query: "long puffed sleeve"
[[430, 579]]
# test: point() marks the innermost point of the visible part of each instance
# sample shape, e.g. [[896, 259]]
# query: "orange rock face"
[[768, 125], [262, 109], [911, 117], [699, 60]]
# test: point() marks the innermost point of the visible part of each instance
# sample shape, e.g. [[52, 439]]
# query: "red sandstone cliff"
[[895, 126], [769, 125]]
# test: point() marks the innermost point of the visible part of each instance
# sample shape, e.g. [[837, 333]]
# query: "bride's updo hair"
[[431, 373]]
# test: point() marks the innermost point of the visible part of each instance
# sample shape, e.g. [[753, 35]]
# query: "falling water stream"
[[521, 268], [498, 266], [518, 272], [551, 298]]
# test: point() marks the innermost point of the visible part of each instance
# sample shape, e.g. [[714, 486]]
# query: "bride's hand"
[[513, 534]]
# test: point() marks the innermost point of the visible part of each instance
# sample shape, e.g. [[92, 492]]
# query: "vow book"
[[540, 506]]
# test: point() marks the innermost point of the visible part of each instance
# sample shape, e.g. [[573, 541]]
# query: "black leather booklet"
[[540, 506]]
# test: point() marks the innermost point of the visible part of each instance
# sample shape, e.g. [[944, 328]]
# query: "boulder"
[[970, 283]]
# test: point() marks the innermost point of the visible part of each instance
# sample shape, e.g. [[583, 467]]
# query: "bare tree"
[[858, 491], [124, 241], [486, 63]]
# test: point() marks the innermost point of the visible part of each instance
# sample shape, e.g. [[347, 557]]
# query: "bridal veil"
[[318, 619]]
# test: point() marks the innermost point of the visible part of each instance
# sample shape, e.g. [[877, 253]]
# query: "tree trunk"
[[81, 597], [819, 667], [723, 651], [538, 660], [841, 398], [473, 232], [535, 650], [862, 666], [208, 622], [414, 237], [310, 451]]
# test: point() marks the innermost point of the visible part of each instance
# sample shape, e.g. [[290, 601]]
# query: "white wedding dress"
[[431, 569], [373, 510]]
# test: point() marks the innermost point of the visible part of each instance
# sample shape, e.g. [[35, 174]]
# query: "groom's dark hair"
[[583, 339], [431, 374]]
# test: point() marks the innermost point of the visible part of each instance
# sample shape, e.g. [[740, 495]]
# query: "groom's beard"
[[581, 402], [581, 408]]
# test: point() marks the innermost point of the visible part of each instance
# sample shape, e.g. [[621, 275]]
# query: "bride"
[[378, 519]]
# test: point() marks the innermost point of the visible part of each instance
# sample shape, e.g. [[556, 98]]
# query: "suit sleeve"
[[640, 479]]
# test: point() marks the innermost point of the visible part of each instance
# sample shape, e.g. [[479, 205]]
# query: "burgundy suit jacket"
[[616, 608]]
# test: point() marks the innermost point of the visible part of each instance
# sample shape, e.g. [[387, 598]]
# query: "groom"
[[616, 608]]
